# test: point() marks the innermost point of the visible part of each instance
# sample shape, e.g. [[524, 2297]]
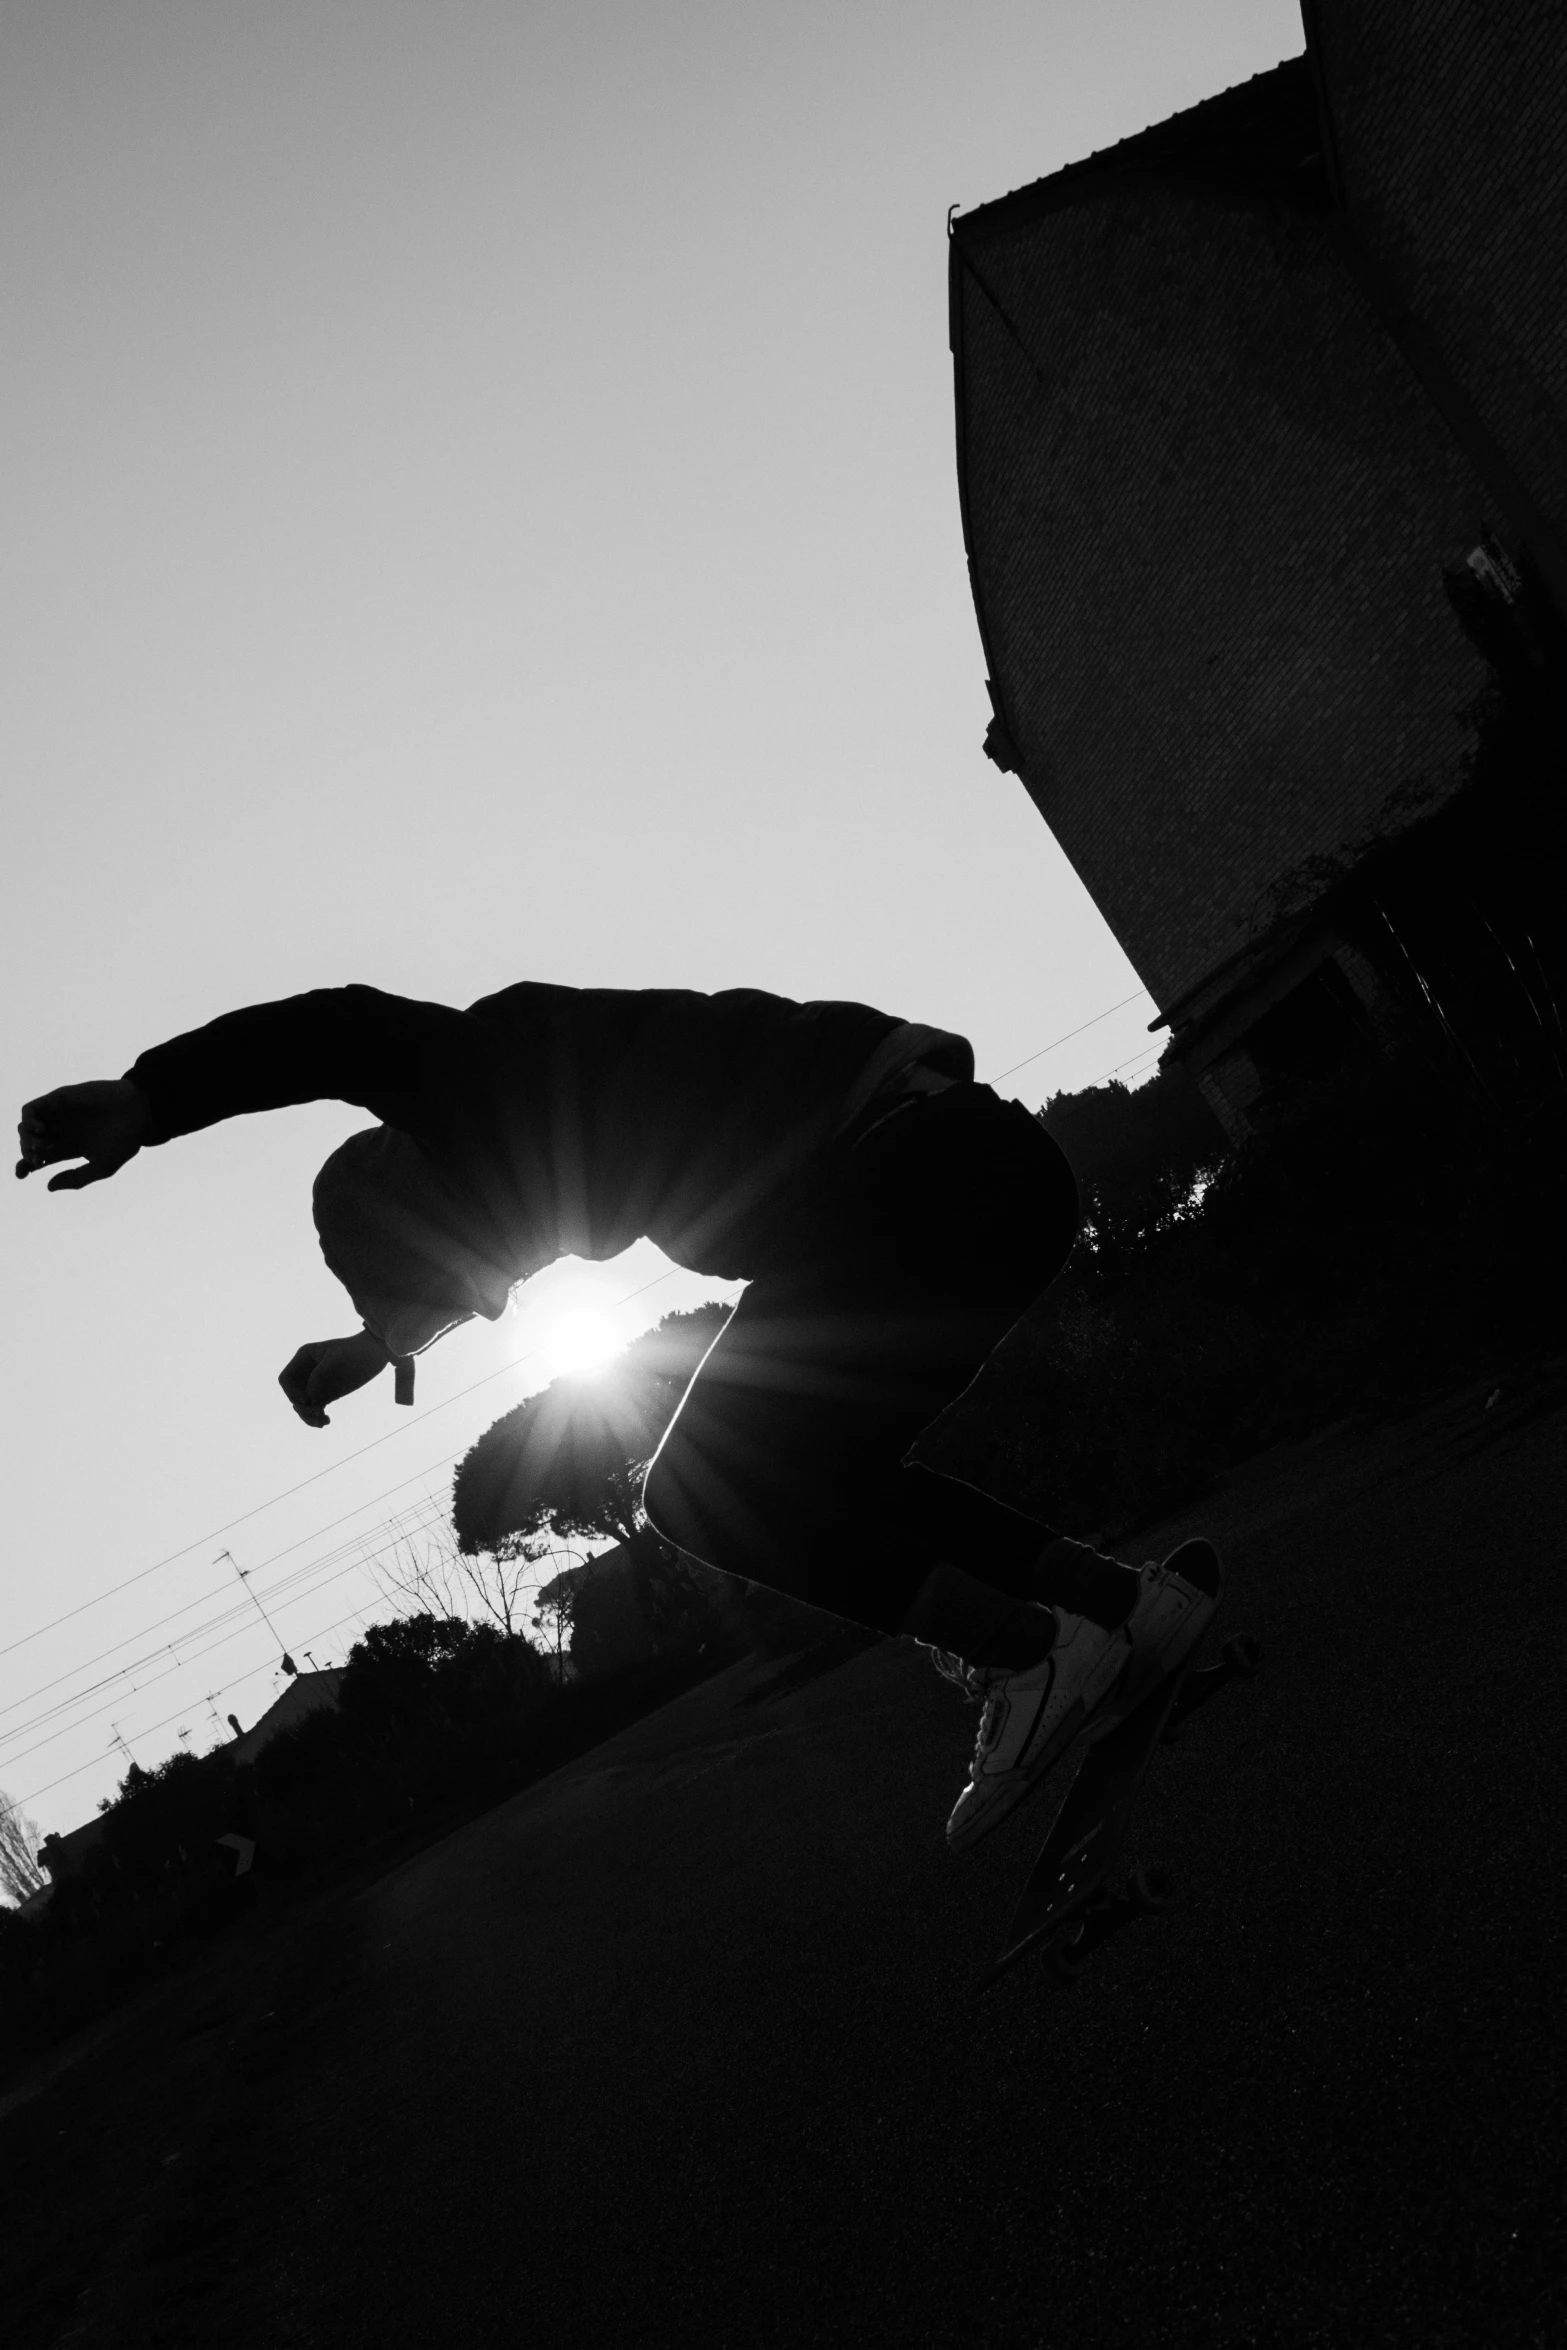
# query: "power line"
[[97, 1760], [353, 1615], [363, 1561], [402, 1527], [228, 1615], [1071, 1032], [359, 1556], [315, 1478], [129, 1641], [1149, 1053], [67, 1729], [225, 1616]]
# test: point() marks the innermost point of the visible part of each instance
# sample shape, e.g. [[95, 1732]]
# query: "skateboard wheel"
[[1150, 1888], [1243, 1655]]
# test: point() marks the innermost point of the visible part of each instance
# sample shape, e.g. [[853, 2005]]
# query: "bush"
[[433, 1711], [165, 1823], [297, 1760], [1136, 1155], [390, 1685], [632, 1605], [21, 1948], [1383, 1233], [437, 1675]]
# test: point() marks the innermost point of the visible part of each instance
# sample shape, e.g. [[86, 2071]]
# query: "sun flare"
[[581, 1337]]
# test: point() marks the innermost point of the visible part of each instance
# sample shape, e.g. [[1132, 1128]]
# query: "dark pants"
[[911, 1255]]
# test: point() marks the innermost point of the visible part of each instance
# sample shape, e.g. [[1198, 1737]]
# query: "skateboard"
[[1066, 1905]]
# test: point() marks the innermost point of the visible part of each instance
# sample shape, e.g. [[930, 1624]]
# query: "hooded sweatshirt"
[[543, 1122]]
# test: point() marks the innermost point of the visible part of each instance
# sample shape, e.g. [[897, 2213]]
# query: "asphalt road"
[[681, 2046]]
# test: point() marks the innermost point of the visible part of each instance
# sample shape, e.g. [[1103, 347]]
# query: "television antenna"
[[243, 1573]]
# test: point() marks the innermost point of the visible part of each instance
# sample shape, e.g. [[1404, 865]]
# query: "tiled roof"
[[1262, 138], [306, 1694]]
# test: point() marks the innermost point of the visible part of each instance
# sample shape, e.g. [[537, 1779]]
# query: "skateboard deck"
[[1065, 1904]]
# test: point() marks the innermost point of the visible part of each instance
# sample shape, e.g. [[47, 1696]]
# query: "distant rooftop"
[[307, 1693]]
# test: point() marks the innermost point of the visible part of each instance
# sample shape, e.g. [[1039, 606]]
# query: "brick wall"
[[1208, 510], [1450, 125]]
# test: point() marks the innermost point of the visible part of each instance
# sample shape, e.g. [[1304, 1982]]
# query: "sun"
[[581, 1337]]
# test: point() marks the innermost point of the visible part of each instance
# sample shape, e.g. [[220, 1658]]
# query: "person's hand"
[[327, 1368], [104, 1123]]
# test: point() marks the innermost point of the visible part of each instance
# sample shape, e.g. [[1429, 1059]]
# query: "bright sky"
[[479, 505]]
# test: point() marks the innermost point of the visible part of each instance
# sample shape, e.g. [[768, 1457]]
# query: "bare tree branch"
[[427, 1574], [20, 1874]]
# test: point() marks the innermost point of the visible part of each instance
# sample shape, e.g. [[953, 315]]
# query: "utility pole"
[[289, 1665]]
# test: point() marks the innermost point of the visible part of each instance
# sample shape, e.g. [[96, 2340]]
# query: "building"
[[67, 1856], [1262, 438], [306, 1694]]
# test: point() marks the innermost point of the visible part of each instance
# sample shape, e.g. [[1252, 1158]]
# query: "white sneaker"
[[1090, 1681]]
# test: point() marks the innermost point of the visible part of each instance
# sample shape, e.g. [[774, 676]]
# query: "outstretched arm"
[[420, 1068], [423, 1068]]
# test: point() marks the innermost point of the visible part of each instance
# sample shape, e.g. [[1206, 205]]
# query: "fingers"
[[39, 1137], [32, 1142], [294, 1379], [74, 1177]]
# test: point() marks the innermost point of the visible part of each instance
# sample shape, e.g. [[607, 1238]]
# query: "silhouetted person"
[[892, 1218]]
